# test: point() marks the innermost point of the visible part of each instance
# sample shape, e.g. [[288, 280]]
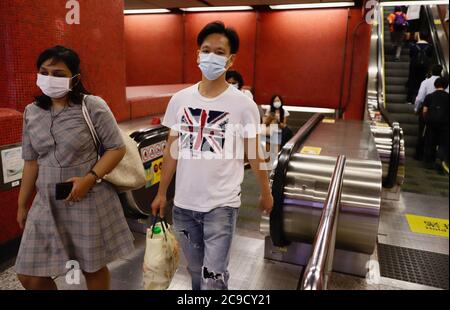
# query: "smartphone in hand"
[[63, 190]]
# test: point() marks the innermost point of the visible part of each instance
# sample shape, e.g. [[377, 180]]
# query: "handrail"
[[376, 97], [437, 45], [279, 176], [394, 162], [320, 264]]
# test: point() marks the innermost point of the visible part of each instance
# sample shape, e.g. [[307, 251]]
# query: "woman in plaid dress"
[[87, 230]]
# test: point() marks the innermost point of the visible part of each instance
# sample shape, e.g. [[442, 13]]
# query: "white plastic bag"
[[161, 257]]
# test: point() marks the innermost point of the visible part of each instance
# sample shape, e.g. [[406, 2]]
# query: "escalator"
[[418, 179], [396, 77]]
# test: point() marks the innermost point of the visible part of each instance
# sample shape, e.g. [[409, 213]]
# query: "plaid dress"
[[92, 232]]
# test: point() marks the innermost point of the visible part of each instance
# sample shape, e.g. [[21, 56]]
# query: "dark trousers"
[[436, 143], [420, 137]]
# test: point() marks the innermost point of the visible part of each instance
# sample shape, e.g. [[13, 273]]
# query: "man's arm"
[[420, 97], [169, 166], [426, 104], [255, 156]]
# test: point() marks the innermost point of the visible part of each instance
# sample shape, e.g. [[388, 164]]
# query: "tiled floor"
[[394, 228], [249, 269]]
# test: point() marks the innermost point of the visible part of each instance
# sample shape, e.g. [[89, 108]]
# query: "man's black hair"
[[219, 27], [232, 74], [424, 35], [436, 70], [441, 83]]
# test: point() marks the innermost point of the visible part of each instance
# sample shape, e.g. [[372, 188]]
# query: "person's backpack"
[[422, 57], [438, 111], [400, 22]]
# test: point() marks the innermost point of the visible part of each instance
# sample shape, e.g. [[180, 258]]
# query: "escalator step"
[[404, 118], [410, 141], [396, 89], [397, 65], [397, 72], [403, 58], [389, 49], [396, 98], [391, 80], [400, 108], [410, 129], [410, 151]]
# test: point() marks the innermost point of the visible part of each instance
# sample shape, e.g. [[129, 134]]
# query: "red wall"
[[298, 54], [11, 133], [154, 48], [29, 27], [357, 64]]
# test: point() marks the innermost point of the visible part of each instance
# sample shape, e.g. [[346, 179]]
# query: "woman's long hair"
[[72, 61], [273, 109]]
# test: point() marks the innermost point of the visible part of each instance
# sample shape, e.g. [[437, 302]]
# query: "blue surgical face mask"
[[212, 65]]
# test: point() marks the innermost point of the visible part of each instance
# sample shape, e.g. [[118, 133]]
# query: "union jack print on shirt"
[[203, 130]]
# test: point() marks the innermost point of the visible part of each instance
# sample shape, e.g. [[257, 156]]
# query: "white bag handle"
[[88, 120]]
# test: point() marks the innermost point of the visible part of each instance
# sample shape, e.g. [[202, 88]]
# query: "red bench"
[[151, 100]]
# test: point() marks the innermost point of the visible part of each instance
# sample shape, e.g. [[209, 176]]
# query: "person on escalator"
[[277, 114], [435, 114], [213, 125], [427, 87], [421, 58], [398, 23], [415, 14]]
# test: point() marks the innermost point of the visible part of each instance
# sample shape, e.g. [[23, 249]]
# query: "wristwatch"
[[97, 178]]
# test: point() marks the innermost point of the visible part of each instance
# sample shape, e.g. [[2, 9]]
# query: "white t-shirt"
[[210, 166], [248, 93]]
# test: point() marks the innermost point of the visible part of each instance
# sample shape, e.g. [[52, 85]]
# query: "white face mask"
[[235, 85], [212, 65], [277, 104], [54, 87]]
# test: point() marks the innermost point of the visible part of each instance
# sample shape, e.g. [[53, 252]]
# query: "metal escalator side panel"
[[278, 179]]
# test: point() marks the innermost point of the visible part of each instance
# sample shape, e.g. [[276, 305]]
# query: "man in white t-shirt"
[[212, 125]]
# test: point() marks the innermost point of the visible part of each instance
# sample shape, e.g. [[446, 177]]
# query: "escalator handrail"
[[434, 39], [385, 115], [381, 77], [321, 262], [279, 177], [394, 162]]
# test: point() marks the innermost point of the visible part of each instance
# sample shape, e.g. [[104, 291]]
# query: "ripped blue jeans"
[[205, 238]]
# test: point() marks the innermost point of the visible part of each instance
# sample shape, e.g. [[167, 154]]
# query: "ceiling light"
[[146, 11], [217, 8], [424, 2], [312, 5]]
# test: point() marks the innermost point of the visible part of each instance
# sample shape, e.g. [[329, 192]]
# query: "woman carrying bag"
[[73, 217]]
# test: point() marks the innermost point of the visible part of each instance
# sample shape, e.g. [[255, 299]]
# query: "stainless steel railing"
[[320, 265]]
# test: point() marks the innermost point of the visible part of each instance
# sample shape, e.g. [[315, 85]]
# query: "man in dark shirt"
[[436, 113]]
